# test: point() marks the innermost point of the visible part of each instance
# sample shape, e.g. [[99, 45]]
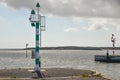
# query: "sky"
[[68, 23]]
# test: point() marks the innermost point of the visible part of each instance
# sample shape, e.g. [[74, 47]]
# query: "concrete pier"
[[110, 58], [50, 74]]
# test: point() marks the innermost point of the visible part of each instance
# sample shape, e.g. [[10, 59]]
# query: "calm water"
[[81, 59]]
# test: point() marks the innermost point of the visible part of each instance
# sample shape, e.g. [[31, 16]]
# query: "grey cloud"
[[18, 4], [72, 8]]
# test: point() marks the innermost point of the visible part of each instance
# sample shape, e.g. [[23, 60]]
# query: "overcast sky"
[[71, 8], [68, 22]]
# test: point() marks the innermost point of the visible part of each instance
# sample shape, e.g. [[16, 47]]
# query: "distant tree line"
[[77, 48], [69, 48]]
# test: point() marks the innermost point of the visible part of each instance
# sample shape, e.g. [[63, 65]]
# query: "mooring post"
[[26, 50]]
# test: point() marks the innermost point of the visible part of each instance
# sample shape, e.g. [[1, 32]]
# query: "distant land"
[[78, 48], [69, 48]]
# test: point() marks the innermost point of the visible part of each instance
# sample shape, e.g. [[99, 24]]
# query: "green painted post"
[[37, 44]]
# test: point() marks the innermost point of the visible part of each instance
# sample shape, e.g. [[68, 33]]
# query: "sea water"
[[80, 59]]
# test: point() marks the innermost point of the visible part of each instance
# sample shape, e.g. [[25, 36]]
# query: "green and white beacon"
[[38, 22]]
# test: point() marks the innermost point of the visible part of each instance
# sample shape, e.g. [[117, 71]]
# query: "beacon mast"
[[113, 43], [38, 22]]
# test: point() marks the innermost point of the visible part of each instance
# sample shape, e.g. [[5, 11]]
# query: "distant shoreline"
[[67, 48]]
